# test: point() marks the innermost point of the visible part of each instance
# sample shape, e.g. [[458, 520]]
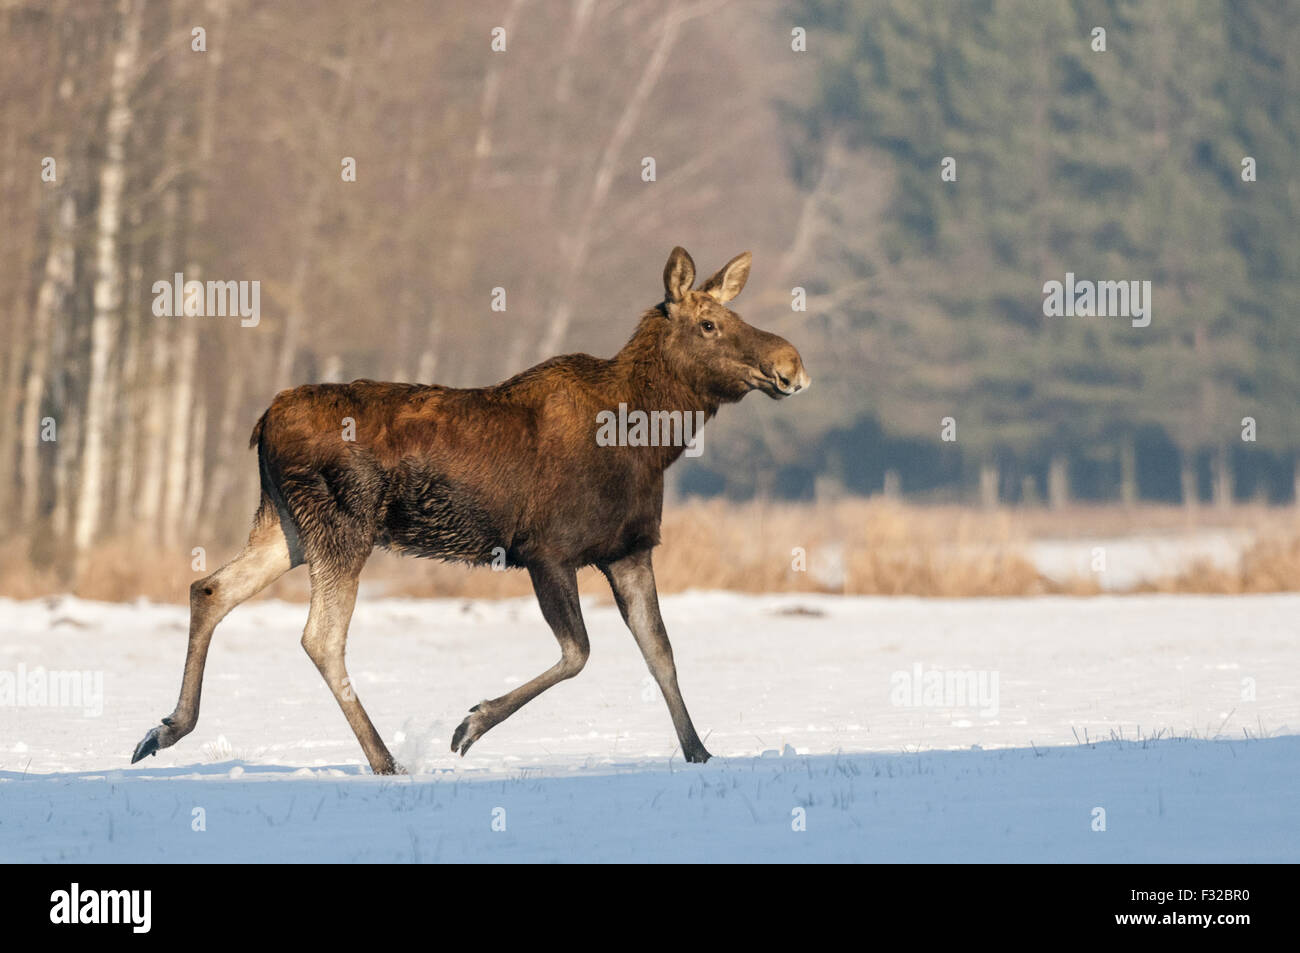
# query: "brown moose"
[[461, 474]]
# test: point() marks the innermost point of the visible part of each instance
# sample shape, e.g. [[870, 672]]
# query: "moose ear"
[[679, 275], [729, 280]]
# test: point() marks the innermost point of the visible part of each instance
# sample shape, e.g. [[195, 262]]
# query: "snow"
[[834, 724], [1129, 561]]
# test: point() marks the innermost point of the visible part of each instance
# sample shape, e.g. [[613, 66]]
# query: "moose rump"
[[353, 466]]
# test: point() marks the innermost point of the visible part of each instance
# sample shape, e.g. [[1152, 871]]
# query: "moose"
[[464, 474]]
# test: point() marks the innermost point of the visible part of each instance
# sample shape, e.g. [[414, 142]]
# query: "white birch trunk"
[[108, 278], [197, 461], [1188, 480], [65, 473], [295, 313], [50, 300], [182, 494], [990, 479], [228, 447], [179, 428], [128, 392], [1221, 464], [1058, 482], [154, 437]]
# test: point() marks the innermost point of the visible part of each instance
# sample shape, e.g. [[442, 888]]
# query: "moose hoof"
[[165, 735], [698, 756], [149, 745], [470, 730]]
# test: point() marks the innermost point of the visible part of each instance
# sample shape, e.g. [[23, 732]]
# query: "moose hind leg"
[[557, 593], [632, 580], [333, 596], [265, 559]]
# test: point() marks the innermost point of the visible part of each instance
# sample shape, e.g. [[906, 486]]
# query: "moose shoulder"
[[519, 468]]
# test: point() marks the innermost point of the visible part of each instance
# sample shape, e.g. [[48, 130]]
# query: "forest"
[[449, 193]]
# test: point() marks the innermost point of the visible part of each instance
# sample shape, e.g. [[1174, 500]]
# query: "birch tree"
[[108, 275]]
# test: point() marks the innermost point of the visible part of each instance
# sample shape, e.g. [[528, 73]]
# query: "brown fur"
[[471, 474]]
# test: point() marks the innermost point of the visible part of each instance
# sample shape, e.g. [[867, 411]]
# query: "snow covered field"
[[1139, 557], [887, 729]]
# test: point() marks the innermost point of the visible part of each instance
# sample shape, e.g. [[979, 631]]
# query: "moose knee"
[[314, 646], [574, 658], [203, 593]]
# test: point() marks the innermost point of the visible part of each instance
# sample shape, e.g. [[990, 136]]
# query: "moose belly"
[[429, 516]]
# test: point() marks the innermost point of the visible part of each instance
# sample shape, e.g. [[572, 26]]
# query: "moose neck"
[[646, 380]]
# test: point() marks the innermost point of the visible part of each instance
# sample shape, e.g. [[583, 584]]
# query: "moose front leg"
[[557, 593], [632, 580]]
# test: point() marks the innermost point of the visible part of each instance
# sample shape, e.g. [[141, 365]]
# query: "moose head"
[[712, 348]]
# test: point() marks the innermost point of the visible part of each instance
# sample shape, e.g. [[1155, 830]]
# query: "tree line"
[[450, 193], [1025, 142]]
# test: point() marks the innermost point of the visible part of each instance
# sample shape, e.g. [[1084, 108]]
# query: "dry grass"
[[1270, 564], [853, 546]]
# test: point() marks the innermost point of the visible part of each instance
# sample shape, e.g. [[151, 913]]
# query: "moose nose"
[[789, 373], [793, 385]]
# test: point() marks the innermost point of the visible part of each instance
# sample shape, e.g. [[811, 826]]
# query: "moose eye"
[[707, 325]]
